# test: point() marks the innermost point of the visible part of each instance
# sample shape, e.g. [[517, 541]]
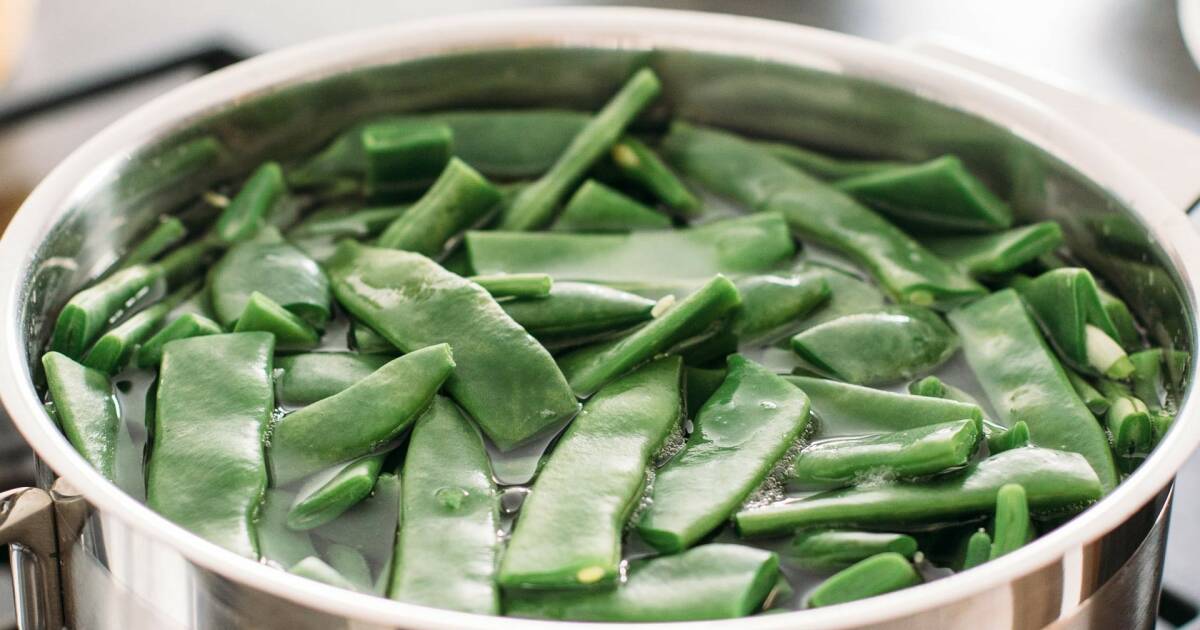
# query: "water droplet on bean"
[[451, 498]]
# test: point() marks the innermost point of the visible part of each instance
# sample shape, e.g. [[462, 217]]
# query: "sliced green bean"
[[315, 568], [838, 548], [266, 315], [361, 418], [247, 211], [1160, 423], [1008, 439], [183, 327], [269, 265], [824, 166], [169, 232], [392, 291], [207, 471], [736, 168], [1095, 401], [775, 303], [90, 311], [740, 434], [367, 341], [1128, 421], [879, 574], [999, 253], [114, 348], [1122, 320], [752, 244], [85, 409], [639, 163], [709, 582], [847, 295], [339, 223], [330, 499], [1025, 382], [1056, 482], [447, 549], [309, 377], [587, 369], [575, 310], [940, 194], [598, 208], [843, 409], [534, 206], [1011, 526], [978, 550], [914, 452], [1067, 304], [404, 157], [569, 532], [518, 285], [1147, 376], [883, 346], [184, 263], [459, 199]]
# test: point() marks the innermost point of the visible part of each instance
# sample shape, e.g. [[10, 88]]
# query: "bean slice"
[[329, 500], [309, 377], [404, 157], [999, 253], [1011, 526], [1067, 305], [183, 327], [978, 550], [89, 312], [569, 531], [844, 409], [639, 163], [740, 434], [1095, 401], [598, 208], [459, 199], [275, 268], [879, 574], [1008, 439], [114, 348], [912, 453], [85, 409], [1147, 376], [168, 233], [824, 166], [266, 315], [839, 548], [576, 310], [247, 212], [518, 285]]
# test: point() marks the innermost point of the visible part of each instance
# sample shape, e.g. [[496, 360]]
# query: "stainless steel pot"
[[87, 555]]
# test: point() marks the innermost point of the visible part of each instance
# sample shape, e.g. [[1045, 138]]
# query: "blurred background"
[[70, 67]]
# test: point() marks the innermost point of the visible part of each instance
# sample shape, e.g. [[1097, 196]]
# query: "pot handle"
[[27, 526], [1169, 156]]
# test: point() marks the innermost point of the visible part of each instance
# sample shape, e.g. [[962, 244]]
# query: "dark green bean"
[[576, 310], [309, 377], [1067, 304], [518, 285], [1147, 376], [1011, 526], [1122, 320], [598, 208], [91, 310], [637, 162], [458, 200], [330, 499], [264, 314], [85, 409], [183, 327], [114, 348], [914, 452], [1095, 401], [169, 232], [405, 157], [879, 574], [838, 548], [845, 409], [247, 211], [277, 269], [999, 253], [1008, 439]]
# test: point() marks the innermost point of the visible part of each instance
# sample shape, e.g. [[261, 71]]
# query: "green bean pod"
[[773, 303], [1067, 304], [366, 341], [1056, 482], [824, 166], [1122, 320], [640, 164], [843, 409], [336, 223], [883, 346], [576, 310], [447, 548], [1147, 377], [999, 253], [1011, 527], [879, 574], [1008, 439], [569, 531], [1128, 421], [309, 377], [742, 245], [247, 212], [740, 434], [459, 199], [169, 231], [709, 582], [149, 354], [207, 471], [90, 311], [264, 314], [85, 409], [598, 208], [516, 285], [368, 526], [329, 500], [847, 295], [938, 195], [404, 157], [413, 302], [736, 168], [316, 569], [269, 265], [1095, 401], [587, 369], [978, 550], [534, 206], [361, 418], [914, 452], [1025, 382], [839, 548], [115, 347]]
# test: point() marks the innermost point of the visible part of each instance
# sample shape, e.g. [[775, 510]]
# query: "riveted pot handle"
[[27, 525]]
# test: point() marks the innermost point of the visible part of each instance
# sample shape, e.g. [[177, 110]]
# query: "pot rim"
[[609, 27]]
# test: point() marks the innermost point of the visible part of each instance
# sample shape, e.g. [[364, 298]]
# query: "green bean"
[[447, 549], [85, 409], [1056, 482], [114, 348], [569, 531], [1011, 526], [278, 544], [740, 434], [351, 564], [309, 377], [742, 245], [247, 211], [699, 385], [91, 310], [1122, 320], [735, 168], [361, 418], [1177, 366], [367, 341], [519, 285], [709, 582], [330, 499], [207, 470], [1147, 376], [824, 166], [978, 550], [844, 409], [413, 303], [587, 369], [773, 303], [870, 348], [264, 314], [598, 208], [186, 262], [637, 162], [999, 253], [576, 310], [938, 195], [847, 295], [1128, 421], [837, 548], [401, 158], [316, 569], [149, 354], [934, 387], [1008, 439], [338, 223], [1095, 401], [1160, 423], [534, 206], [1067, 304], [911, 453], [169, 232], [459, 199], [1025, 382], [879, 574], [277, 269]]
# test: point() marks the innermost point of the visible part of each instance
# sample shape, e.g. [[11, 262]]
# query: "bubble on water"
[[451, 498], [671, 446], [774, 486], [643, 501]]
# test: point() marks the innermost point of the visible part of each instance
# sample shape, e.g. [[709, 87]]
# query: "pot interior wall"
[[828, 110]]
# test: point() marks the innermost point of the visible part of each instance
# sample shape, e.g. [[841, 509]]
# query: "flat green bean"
[[1147, 376], [149, 354], [404, 157], [598, 208], [1067, 304], [169, 232], [86, 410], [640, 164], [264, 314], [824, 166], [576, 310], [999, 253], [330, 499], [309, 377], [115, 347], [916, 452], [269, 265], [879, 574], [883, 346], [843, 409], [839, 548], [459, 199], [247, 212]]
